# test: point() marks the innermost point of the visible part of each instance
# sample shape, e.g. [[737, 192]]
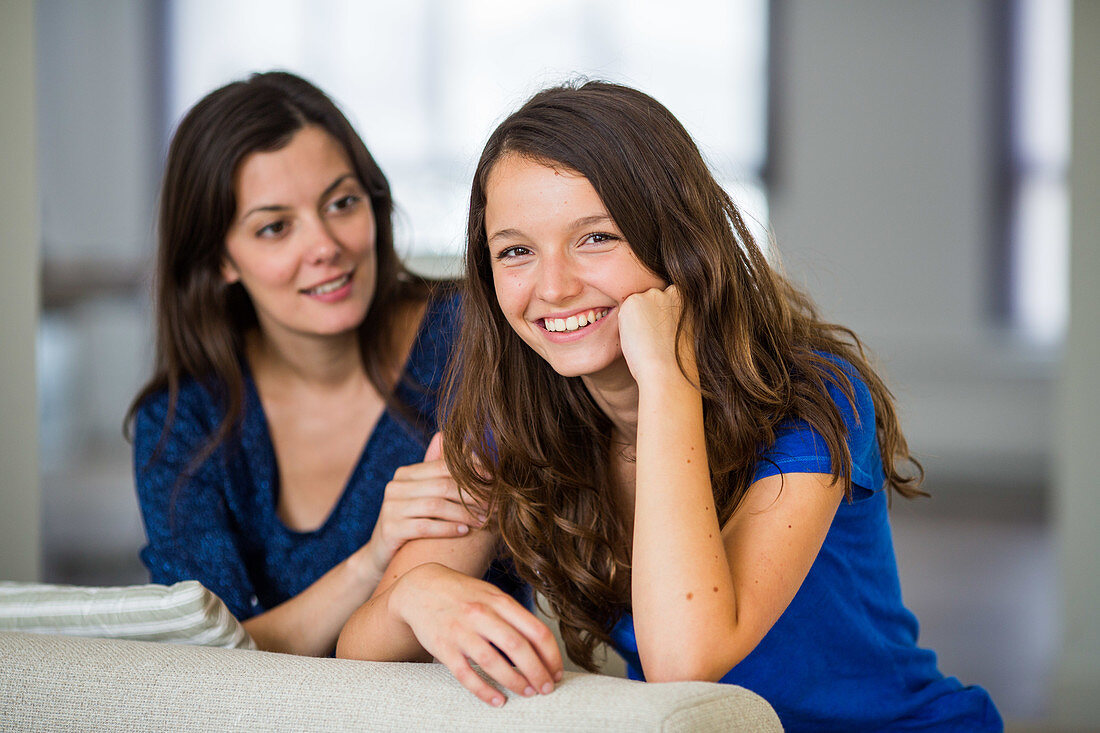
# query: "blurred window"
[[425, 81], [1038, 161]]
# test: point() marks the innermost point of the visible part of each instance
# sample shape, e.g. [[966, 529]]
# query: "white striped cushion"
[[184, 613]]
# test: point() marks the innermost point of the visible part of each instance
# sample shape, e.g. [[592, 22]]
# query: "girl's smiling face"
[[560, 265]]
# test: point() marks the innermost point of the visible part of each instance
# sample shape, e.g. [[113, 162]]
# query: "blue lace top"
[[220, 526]]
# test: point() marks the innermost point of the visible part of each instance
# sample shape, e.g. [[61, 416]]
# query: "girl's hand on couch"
[[459, 619]]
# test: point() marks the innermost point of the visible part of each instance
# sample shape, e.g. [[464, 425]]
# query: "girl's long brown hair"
[[535, 445], [201, 321]]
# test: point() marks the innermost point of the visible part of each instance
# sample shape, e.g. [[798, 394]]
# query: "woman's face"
[[302, 240], [560, 265]]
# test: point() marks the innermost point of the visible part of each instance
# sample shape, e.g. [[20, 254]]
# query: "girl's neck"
[[616, 393]]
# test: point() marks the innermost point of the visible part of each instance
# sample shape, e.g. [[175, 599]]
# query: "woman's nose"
[[323, 246]]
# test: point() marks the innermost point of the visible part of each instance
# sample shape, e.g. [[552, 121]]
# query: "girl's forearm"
[[377, 632], [681, 589]]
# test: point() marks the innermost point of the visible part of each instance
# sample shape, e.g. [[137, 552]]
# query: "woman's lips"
[[332, 290]]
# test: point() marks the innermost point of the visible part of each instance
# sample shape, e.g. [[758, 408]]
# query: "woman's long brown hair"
[[535, 445], [201, 321]]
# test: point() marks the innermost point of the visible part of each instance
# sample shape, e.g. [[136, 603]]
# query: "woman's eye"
[[344, 202], [273, 229]]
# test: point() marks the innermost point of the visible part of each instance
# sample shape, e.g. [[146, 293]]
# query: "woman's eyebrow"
[[282, 207], [334, 185]]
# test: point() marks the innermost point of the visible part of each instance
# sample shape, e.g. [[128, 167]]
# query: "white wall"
[[882, 207], [1077, 691], [19, 495]]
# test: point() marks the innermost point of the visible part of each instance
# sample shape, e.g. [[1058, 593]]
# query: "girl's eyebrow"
[[584, 221], [280, 207]]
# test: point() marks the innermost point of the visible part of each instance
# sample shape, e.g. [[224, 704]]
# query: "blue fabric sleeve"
[[798, 448], [182, 516]]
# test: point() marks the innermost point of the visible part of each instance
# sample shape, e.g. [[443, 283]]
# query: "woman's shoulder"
[[440, 322], [195, 402], [444, 307]]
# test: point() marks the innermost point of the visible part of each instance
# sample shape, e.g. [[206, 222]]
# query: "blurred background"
[[911, 164]]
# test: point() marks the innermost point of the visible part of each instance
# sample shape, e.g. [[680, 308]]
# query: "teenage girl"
[[680, 455]]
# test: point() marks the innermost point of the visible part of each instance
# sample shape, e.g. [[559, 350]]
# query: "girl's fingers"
[[541, 639], [498, 668], [529, 666], [455, 661], [530, 674]]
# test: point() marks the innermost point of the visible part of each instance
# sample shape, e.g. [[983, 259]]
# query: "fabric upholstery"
[[53, 683]]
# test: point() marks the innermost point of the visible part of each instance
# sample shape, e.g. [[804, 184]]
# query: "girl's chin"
[[585, 368]]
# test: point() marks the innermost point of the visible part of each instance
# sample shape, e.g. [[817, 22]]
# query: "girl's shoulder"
[[799, 446], [849, 392]]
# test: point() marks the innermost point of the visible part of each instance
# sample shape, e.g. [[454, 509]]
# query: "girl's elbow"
[[703, 662], [683, 670]]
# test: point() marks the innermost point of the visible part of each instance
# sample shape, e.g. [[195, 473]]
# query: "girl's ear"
[[229, 271]]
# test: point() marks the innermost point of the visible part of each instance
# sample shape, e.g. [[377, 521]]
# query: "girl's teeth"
[[572, 323]]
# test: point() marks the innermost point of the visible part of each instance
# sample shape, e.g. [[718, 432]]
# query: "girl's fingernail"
[[529, 691], [498, 701], [547, 688], [558, 676], [463, 529]]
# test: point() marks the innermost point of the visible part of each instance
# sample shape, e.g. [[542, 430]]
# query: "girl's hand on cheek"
[[459, 620], [647, 332]]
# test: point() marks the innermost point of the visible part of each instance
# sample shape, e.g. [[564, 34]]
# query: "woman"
[[679, 454], [279, 448]]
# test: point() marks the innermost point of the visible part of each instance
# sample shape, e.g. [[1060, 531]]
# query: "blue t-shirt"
[[844, 654], [220, 526]]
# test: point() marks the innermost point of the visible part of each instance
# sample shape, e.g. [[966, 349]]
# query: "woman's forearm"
[[310, 622]]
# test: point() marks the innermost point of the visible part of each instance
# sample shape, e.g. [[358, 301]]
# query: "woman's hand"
[[647, 332], [459, 619], [422, 500]]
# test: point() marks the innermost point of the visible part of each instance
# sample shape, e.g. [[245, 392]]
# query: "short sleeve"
[[799, 448], [190, 532]]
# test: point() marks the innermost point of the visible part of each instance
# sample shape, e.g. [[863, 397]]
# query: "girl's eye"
[[273, 229], [600, 238], [511, 253]]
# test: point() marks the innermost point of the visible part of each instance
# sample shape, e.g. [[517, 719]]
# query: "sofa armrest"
[[70, 683]]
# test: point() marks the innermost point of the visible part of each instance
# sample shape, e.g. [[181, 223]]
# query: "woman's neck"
[[327, 362]]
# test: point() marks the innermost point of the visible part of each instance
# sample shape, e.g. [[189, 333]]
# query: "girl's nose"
[[558, 279]]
